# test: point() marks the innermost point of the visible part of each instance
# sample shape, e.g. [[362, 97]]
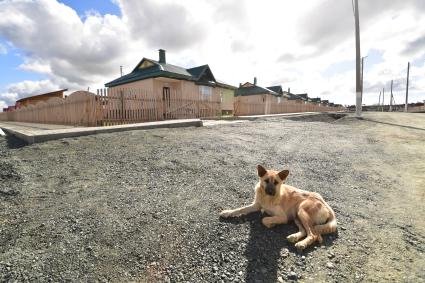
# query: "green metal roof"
[[276, 88], [201, 75], [250, 89]]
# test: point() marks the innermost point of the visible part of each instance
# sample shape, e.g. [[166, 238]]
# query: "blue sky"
[[80, 44], [101, 6], [11, 73]]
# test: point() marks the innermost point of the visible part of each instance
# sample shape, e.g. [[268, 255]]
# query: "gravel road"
[[143, 206]]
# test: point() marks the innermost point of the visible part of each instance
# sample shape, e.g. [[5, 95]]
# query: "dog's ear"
[[283, 174], [261, 171]]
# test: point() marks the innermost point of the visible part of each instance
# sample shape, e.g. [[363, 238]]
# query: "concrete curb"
[[257, 117], [46, 135]]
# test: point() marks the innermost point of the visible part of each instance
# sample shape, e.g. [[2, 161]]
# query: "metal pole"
[[383, 99], [361, 100], [379, 101], [407, 86], [391, 97], [358, 83], [121, 70]]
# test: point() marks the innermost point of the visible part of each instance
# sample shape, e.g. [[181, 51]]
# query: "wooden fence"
[[117, 106], [286, 106], [417, 109], [78, 109], [123, 106]]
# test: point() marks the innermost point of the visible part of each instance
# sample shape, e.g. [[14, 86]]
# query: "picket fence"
[[116, 106]]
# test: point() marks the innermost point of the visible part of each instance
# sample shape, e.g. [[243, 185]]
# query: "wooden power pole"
[[383, 99], [358, 79], [407, 87]]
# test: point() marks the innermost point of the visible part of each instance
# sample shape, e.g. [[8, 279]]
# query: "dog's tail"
[[330, 225]]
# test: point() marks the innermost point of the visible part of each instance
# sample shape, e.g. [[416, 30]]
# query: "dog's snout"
[[270, 189]]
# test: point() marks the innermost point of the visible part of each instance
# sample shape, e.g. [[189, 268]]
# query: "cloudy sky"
[[307, 46]]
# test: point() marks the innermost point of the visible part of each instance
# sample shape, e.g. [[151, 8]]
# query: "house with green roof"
[[252, 99], [192, 88]]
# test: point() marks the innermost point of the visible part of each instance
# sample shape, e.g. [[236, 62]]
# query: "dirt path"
[[143, 205]]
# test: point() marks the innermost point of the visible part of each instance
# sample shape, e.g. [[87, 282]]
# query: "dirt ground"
[[143, 206]]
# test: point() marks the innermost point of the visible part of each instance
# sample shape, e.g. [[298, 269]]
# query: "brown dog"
[[284, 203]]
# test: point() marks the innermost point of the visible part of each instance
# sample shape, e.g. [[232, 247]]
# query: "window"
[[279, 99], [206, 92]]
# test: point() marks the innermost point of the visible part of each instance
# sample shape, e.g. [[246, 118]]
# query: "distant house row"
[[159, 77], [198, 87]]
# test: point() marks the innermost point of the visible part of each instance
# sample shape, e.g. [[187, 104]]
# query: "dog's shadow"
[[266, 247]]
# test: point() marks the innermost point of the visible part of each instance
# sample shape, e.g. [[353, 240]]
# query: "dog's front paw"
[[300, 246], [268, 222], [226, 213], [293, 238]]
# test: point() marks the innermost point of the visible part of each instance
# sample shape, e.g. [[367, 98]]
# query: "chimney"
[[240, 84], [255, 80], [289, 90], [162, 56]]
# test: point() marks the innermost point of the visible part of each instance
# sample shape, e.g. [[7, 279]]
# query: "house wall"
[[185, 98], [227, 99], [147, 85], [36, 99]]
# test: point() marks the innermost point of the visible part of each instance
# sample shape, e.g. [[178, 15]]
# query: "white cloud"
[[24, 89], [279, 42]]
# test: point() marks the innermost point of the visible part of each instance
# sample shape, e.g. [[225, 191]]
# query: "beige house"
[[180, 89], [252, 99]]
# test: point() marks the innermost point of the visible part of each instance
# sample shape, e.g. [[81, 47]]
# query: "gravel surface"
[[143, 205]]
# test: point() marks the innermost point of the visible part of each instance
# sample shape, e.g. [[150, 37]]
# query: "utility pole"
[[361, 101], [379, 101], [407, 86], [383, 99], [391, 97], [358, 83]]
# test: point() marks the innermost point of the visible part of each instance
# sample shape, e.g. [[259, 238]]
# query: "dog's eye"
[[276, 182], [266, 180]]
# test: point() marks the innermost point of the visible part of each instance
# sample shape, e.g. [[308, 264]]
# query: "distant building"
[[9, 108], [171, 83], [316, 100], [252, 99], [32, 100]]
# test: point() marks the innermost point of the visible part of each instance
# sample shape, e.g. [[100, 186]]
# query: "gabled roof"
[[279, 90], [304, 96], [294, 96], [276, 88], [52, 93], [148, 68], [317, 99], [155, 70], [251, 89]]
